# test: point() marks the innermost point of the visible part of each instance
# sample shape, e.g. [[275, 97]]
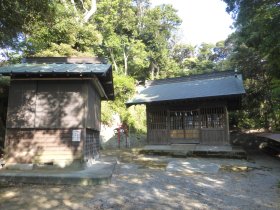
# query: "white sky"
[[203, 20]]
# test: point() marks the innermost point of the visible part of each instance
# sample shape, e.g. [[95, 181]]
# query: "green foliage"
[[124, 89], [62, 35], [255, 52], [257, 24], [137, 118], [135, 36], [16, 15], [140, 42]]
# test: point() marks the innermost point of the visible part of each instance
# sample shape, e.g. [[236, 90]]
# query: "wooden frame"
[[177, 123]]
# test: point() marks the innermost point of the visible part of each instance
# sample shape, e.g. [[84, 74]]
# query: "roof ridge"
[[191, 78], [66, 60]]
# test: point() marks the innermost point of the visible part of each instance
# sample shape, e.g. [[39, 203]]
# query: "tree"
[[132, 31], [131, 34], [255, 53], [118, 27], [16, 15], [49, 28], [182, 51], [257, 26]]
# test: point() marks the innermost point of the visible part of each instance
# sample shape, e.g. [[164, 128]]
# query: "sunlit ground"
[[142, 182]]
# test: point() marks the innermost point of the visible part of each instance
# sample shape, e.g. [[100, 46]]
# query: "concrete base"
[[184, 150], [19, 166], [99, 173]]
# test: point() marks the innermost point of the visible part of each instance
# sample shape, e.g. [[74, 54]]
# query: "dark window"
[[212, 117]]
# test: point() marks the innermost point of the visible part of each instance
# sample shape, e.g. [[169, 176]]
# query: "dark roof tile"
[[183, 88]]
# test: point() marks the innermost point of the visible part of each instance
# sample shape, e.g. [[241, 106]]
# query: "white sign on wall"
[[76, 135]]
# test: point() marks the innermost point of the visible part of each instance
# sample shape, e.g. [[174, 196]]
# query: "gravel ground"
[[142, 182]]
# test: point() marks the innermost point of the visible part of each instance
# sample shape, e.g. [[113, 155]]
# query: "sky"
[[203, 20]]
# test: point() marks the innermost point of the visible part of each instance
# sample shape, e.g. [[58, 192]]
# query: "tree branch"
[[90, 12]]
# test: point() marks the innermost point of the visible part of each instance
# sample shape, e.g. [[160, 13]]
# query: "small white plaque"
[[76, 135]]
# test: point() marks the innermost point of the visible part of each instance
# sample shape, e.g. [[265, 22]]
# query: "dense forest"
[[142, 43]]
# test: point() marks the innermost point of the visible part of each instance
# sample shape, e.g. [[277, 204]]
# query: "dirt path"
[[143, 183]]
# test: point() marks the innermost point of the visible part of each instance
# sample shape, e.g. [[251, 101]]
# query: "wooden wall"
[[194, 122], [157, 130], [93, 108], [21, 104], [42, 146], [46, 104], [42, 115]]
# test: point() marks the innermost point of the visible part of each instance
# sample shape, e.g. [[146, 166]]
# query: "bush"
[[134, 116]]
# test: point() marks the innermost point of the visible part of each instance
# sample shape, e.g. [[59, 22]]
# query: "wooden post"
[[148, 124], [200, 125], [168, 127], [84, 144], [226, 126]]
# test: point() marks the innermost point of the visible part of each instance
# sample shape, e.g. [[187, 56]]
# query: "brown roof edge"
[[48, 60]]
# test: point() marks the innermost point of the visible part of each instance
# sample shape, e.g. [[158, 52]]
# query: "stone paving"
[[146, 182]]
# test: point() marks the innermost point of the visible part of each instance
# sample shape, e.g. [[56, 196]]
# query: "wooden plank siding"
[[212, 136], [203, 123], [93, 108], [33, 145], [21, 104], [46, 104], [60, 104], [42, 115]]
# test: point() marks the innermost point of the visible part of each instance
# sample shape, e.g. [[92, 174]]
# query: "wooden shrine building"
[[54, 109], [191, 109]]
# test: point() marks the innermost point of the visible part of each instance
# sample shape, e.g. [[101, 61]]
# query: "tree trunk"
[[113, 59], [90, 12], [152, 71], [157, 76], [125, 58]]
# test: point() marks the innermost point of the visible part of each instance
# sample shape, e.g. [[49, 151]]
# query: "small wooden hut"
[[54, 109], [191, 109]]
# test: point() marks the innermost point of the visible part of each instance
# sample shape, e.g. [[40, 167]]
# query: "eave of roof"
[[33, 69], [66, 70], [188, 88]]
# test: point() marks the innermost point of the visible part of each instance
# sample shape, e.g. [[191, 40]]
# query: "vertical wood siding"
[[157, 127], [59, 104], [21, 104], [214, 126], [93, 118], [206, 125]]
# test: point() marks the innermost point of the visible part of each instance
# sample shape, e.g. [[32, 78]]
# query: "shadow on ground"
[[142, 182]]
